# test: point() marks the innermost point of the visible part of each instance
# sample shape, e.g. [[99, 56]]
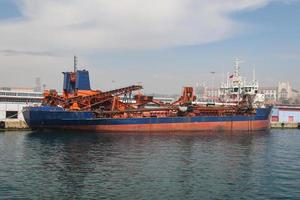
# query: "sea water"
[[85, 165]]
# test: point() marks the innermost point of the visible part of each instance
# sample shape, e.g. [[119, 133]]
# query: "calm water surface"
[[64, 165]]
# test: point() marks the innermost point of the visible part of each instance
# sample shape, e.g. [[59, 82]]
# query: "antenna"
[[223, 75], [227, 80], [75, 63]]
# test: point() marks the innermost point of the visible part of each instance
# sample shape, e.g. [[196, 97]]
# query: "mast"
[[237, 68], [227, 80], [75, 63]]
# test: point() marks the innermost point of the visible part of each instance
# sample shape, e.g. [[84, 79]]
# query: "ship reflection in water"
[[65, 165]]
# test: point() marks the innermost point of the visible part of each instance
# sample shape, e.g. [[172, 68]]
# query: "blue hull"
[[55, 117]]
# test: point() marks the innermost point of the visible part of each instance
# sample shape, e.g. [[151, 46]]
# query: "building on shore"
[[271, 94], [12, 101], [286, 113], [286, 94]]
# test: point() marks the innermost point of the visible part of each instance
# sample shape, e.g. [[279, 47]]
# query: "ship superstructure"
[[236, 87]]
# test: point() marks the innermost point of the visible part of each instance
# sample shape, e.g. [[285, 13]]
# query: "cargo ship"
[[81, 108]]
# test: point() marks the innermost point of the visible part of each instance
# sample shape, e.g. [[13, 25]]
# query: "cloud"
[[8, 52], [83, 26]]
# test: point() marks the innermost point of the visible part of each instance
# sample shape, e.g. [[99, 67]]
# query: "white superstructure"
[[12, 100], [236, 87]]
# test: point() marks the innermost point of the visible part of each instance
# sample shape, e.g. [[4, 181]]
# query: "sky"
[[162, 44]]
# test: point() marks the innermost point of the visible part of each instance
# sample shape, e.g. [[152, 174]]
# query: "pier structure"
[[12, 101]]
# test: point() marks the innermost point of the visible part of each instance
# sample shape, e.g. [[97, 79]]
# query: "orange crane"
[[187, 97]]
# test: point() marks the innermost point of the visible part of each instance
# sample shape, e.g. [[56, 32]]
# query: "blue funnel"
[[82, 81]]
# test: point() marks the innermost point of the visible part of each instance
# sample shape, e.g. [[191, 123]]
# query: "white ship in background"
[[236, 88]]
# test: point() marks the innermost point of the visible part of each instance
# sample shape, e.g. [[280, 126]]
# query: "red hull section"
[[257, 125]]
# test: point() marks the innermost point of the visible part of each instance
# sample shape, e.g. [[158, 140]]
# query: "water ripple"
[[58, 165]]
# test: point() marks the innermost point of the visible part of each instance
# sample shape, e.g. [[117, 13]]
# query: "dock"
[[13, 124], [285, 125]]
